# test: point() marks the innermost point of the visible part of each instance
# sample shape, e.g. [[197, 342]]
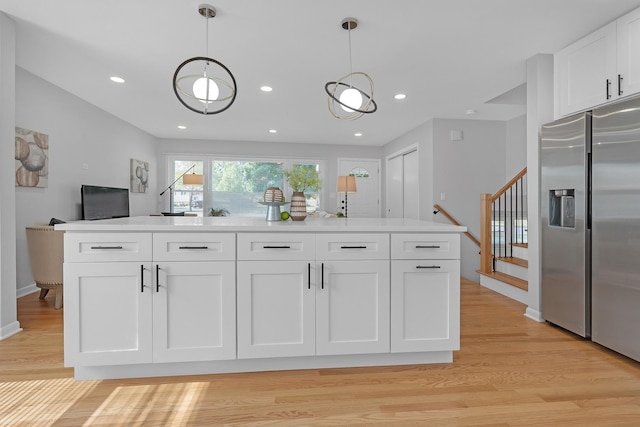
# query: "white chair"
[[46, 253]]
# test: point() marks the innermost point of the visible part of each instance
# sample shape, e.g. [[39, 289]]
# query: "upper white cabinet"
[[599, 68]]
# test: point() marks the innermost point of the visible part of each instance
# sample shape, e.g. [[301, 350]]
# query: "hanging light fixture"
[[346, 100], [203, 84]]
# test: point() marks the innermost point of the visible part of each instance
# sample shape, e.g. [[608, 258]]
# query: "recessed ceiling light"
[[400, 96], [272, 131], [182, 127], [116, 79], [357, 134], [266, 88]]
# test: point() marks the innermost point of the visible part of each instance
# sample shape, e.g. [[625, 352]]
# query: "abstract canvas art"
[[139, 176], [32, 158]]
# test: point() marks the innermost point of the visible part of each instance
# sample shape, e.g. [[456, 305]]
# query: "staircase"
[[503, 248]]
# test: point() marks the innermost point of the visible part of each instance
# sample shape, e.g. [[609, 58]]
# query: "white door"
[[194, 311], [365, 202], [395, 188], [107, 314], [403, 197], [276, 309], [410, 189], [352, 307]]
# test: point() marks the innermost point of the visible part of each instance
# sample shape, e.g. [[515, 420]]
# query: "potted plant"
[[218, 212], [301, 178]]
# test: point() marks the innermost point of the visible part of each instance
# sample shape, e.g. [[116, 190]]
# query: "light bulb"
[[351, 97], [200, 90]]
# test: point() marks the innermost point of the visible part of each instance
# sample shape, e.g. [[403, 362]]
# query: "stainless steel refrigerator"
[[590, 210]]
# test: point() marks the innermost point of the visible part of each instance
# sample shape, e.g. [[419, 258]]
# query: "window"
[[234, 184]]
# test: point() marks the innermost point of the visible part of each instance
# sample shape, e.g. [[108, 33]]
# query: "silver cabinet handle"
[[106, 247]]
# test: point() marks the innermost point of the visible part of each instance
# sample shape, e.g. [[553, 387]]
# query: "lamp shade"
[[346, 184], [193, 179]]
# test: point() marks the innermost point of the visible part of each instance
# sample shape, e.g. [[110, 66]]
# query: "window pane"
[[313, 197], [187, 197], [238, 186]]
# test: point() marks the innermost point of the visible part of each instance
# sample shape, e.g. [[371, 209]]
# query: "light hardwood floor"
[[511, 371]]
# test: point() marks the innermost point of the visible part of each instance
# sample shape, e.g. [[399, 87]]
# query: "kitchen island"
[[157, 296]]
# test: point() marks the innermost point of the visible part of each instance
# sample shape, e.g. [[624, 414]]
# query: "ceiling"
[[448, 56]]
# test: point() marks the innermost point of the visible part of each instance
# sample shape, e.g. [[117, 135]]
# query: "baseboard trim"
[[534, 315], [27, 290], [10, 330]]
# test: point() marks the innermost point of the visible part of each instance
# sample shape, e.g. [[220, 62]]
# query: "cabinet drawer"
[[106, 247], [352, 246], [425, 246], [194, 246], [274, 247]]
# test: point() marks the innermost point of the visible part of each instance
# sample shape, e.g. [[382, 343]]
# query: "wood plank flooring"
[[511, 371]]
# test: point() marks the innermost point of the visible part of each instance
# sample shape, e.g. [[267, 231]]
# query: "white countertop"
[[236, 224]]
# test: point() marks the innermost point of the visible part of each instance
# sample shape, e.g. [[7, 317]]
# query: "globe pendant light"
[[203, 84], [346, 100]]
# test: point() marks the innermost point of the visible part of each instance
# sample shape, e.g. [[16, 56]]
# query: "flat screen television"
[[104, 202]]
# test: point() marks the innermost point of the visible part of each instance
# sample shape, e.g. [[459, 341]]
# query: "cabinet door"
[[352, 307], [194, 317], [107, 314], [276, 309], [629, 53], [585, 72], [425, 305]]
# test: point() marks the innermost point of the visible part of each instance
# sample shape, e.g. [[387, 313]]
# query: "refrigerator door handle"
[[588, 192]]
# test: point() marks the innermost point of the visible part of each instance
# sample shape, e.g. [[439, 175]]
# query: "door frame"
[[362, 159]]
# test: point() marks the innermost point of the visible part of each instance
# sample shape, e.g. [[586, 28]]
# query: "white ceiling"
[[447, 55]]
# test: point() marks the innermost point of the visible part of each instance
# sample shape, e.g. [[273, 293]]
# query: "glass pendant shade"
[[206, 90], [352, 98]]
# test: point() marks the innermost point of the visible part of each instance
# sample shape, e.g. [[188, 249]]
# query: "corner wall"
[[86, 146], [9, 324]]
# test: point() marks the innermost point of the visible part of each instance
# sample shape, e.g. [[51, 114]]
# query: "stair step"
[[515, 260], [520, 245], [507, 278]]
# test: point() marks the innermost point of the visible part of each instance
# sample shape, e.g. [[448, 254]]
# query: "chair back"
[[46, 253]]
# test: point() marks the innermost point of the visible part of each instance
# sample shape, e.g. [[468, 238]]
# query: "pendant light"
[[346, 100], [203, 84]]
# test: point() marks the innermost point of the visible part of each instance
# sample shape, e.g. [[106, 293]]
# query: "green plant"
[[218, 212], [303, 178]]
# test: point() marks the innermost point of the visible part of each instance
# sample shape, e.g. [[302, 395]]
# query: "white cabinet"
[[599, 68], [107, 313], [194, 311], [425, 294], [335, 301], [629, 53], [352, 307], [352, 299], [133, 309], [276, 309]]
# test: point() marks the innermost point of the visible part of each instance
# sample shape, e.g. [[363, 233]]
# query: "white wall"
[[9, 324], [539, 112], [79, 134], [516, 146], [422, 136], [465, 169], [274, 150]]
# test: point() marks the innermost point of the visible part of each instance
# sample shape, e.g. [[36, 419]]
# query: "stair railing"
[[454, 222], [503, 219]]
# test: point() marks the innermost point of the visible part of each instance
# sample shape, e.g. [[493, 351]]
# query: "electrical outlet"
[[443, 196]]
